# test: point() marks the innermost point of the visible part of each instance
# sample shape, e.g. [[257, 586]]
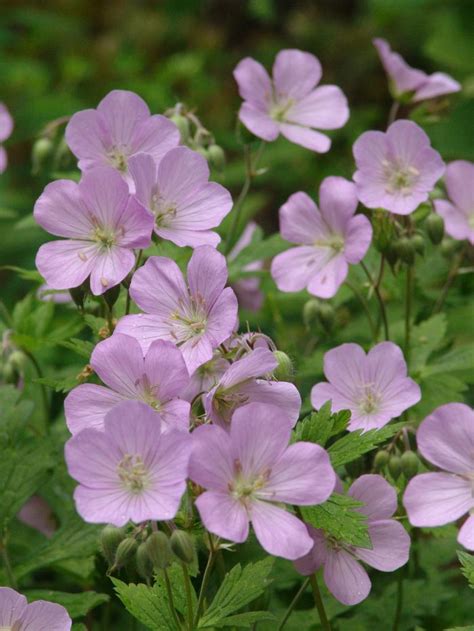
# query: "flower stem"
[[169, 592], [205, 581], [298, 595], [450, 280], [318, 601], [365, 306], [7, 565], [408, 310], [392, 115], [44, 394], [399, 605], [376, 288], [189, 600], [138, 261]]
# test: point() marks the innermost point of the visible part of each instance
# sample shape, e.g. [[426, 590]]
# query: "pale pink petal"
[[437, 84], [158, 287], [390, 546], [357, 239], [466, 534], [122, 110], [344, 366], [405, 78], [300, 220], [6, 123], [87, 135], [345, 578], [165, 369], [379, 497], [326, 282], [253, 82], [60, 210], [459, 181], [369, 151], [282, 394], [323, 392], [316, 557], [211, 464], [292, 270], [37, 513], [456, 221], [180, 173], [188, 238], [135, 226], [295, 73], [92, 459], [337, 201], [196, 352], [105, 195], [308, 138], [42, 615], [87, 405], [207, 274], [12, 606], [143, 170], [110, 268], [223, 516], [3, 159], [222, 319], [175, 414], [324, 108], [259, 122], [66, 264], [144, 328], [119, 362], [156, 136], [255, 364]]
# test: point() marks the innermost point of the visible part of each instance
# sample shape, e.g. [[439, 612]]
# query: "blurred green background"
[[59, 56]]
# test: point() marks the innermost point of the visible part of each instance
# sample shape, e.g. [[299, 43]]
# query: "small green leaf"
[[427, 337], [353, 445], [83, 348], [76, 604], [146, 604], [467, 563], [246, 619]]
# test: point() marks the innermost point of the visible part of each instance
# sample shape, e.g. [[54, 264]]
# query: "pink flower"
[[374, 387], [47, 294], [458, 213], [37, 513], [247, 380], [197, 316], [6, 128], [289, 104], [17, 615], [247, 290], [344, 576], [205, 377], [446, 439], [118, 129], [409, 81], [130, 471], [328, 238], [178, 193], [102, 224], [250, 471], [396, 170], [158, 380]]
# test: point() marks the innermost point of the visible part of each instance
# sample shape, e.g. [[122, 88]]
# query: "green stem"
[[205, 581], [169, 592], [318, 601], [408, 310], [450, 280], [365, 306], [392, 115], [127, 304], [189, 600], [399, 605], [44, 394], [376, 288], [293, 603], [7, 565]]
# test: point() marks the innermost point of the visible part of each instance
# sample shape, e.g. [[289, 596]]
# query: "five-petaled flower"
[[458, 210], [17, 615]]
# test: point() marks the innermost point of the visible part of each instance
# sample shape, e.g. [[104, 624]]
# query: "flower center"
[[162, 209], [399, 179], [279, 109], [132, 473], [190, 321], [370, 400], [118, 159], [149, 393], [244, 488], [226, 401], [335, 242], [470, 220], [106, 238]]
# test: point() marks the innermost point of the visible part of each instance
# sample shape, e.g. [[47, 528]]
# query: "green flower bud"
[[395, 466], [182, 123], [406, 250], [203, 151], [419, 243], [355, 468], [311, 312], [110, 539], [384, 230], [17, 359], [284, 369], [435, 228], [182, 545], [391, 254], [381, 460], [159, 550], [10, 374], [326, 316], [111, 296], [42, 150], [449, 247], [143, 561], [126, 550], [409, 464], [216, 157]]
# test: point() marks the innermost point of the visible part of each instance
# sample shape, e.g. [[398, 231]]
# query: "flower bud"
[[17, 359], [419, 244], [42, 150], [10, 374], [435, 228], [203, 151], [126, 550], [79, 294], [284, 369], [406, 250], [449, 247], [395, 466], [310, 312], [409, 464], [110, 539], [381, 460], [326, 316], [384, 230], [182, 123], [182, 546], [143, 561], [216, 157], [111, 296], [158, 549]]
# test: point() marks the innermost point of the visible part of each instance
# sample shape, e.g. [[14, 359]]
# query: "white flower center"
[[370, 400], [133, 474], [118, 158], [279, 109], [149, 393], [226, 401], [399, 178], [334, 242], [243, 488], [470, 220], [163, 210], [190, 321]]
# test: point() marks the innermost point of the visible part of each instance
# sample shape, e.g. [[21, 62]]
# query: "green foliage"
[[76, 604], [319, 426], [467, 563], [351, 446]]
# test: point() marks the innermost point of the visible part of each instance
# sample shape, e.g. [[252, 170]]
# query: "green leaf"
[[319, 426], [427, 337], [76, 604], [83, 348], [175, 575], [353, 445], [257, 251], [467, 563], [244, 619], [239, 588], [339, 518], [24, 274], [147, 604], [457, 359], [12, 410], [63, 384]]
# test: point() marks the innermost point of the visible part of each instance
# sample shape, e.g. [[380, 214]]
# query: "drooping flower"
[[445, 439], [102, 223], [396, 170], [246, 381], [328, 238], [374, 387], [37, 513], [289, 103], [17, 615], [158, 379], [6, 128], [249, 471], [205, 377], [247, 290], [118, 129], [409, 82], [197, 316], [186, 206], [458, 211], [344, 576], [130, 471]]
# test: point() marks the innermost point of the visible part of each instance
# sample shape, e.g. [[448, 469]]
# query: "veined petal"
[[211, 464], [119, 362], [66, 264], [61, 211], [345, 578], [390, 546], [87, 405], [110, 268], [223, 516]]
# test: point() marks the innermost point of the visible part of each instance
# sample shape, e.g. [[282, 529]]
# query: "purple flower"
[[47, 294], [130, 471], [37, 513], [374, 387], [247, 380], [396, 170], [458, 213], [197, 316], [410, 81], [102, 223], [248, 472], [158, 380], [118, 129], [344, 576], [178, 193], [289, 104], [17, 615], [328, 238], [6, 128], [205, 377], [247, 290], [446, 439]]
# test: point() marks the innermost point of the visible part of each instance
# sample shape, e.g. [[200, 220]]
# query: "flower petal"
[[259, 122], [60, 210], [390, 546], [207, 274], [466, 534], [223, 516], [306, 137], [324, 108], [110, 268], [338, 202], [378, 496], [357, 239], [282, 394], [295, 73], [211, 464], [293, 269], [165, 369], [88, 137], [253, 81], [345, 578], [327, 280], [300, 220], [316, 557], [119, 362], [158, 287], [144, 328], [45, 615], [12, 606], [66, 264], [87, 405]]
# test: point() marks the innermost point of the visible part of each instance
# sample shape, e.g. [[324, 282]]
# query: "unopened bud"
[[435, 228], [384, 230], [419, 243], [449, 247], [158, 549], [17, 359], [391, 253], [111, 296], [409, 464], [406, 250], [10, 374], [203, 151], [326, 316], [310, 312], [216, 156], [182, 123], [381, 460], [110, 539], [395, 466], [79, 294], [143, 561], [42, 150], [126, 550], [284, 369], [182, 546]]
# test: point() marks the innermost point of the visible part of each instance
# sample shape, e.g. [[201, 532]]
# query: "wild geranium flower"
[[129, 471], [158, 379], [247, 290], [205, 377], [374, 387], [17, 615], [102, 223], [328, 238], [6, 128], [458, 211], [396, 170], [410, 83], [197, 316], [288, 103], [344, 576], [178, 193], [118, 129], [446, 439], [249, 472], [248, 380]]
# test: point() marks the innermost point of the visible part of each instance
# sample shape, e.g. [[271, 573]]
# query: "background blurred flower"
[[6, 128], [458, 210]]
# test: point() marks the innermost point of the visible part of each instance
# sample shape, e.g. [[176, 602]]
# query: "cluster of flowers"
[[135, 440]]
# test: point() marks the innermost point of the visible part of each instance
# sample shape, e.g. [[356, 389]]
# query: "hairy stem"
[[365, 306], [392, 115], [450, 280], [376, 288], [189, 600], [298, 595], [205, 581], [408, 311], [399, 604], [318, 601], [169, 592]]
